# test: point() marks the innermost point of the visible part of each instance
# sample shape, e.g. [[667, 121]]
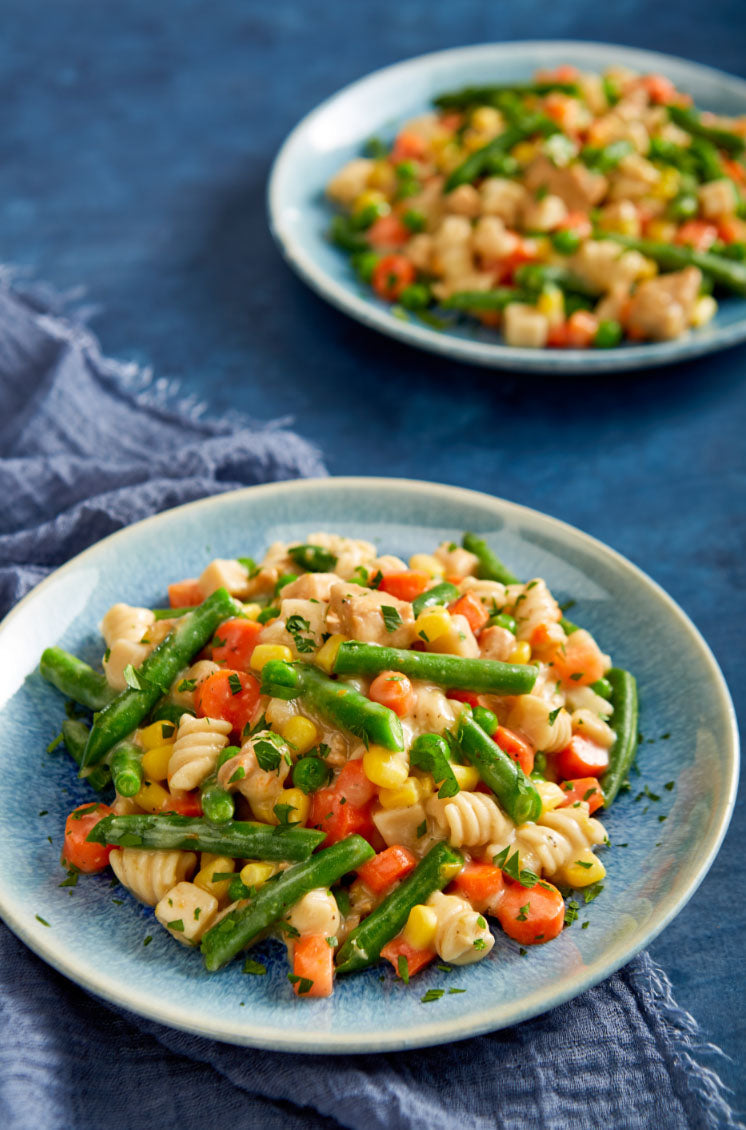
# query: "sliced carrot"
[[516, 747], [482, 884], [581, 328], [183, 594], [76, 851], [387, 868], [313, 960], [557, 336], [394, 690], [531, 915], [388, 231], [353, 784], [732, 230], [579, 222], [416, 959], [186, 804], [234, 643], [232, 695], [408, 146], [391, 275], [583, 788], [578, 660], [406, 585], [697, 234], [472, 610], [659, 89], [582, 758]]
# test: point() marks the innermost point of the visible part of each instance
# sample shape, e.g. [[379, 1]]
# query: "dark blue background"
[[135, 141]]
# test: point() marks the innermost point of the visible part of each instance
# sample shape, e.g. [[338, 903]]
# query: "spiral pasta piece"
[[196, 749], [589, 725], [150, 874], [547, 730], [534, 607], [469, 819], [462, 935], [557, 838]]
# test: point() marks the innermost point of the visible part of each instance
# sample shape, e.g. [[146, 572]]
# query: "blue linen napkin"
[[88, 445]]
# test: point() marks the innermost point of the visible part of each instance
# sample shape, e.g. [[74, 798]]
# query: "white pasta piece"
[[149, 874], [492, 594], [524, 326], [464, 201], [557, 838], [456, 561], [225, 573], [589, 725], [125, 806], [462, 935], [399, 825], [261, 787], [470, 819], [316, 913], [387, 563], [350, 181], [717, 198], [546, 730], [120, 655], [458, 640], [196, 749], [583, 698], [187, 912], [533, 606], [545, 214], [189, 680], [431, 711], [126, 622], [492, 241], [503, 198]]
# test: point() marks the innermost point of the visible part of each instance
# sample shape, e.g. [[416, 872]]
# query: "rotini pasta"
[[462, 935], [196, 749], [557, 838], [470, 819], [150, 874]]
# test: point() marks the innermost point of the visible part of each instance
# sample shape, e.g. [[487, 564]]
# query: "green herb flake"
[[391, 617], [238, 775], [553, 715], [479, 944], [585, 925], [669, 785], [176, 924], [131, 678], [402, 966], [522, 952], [234, 682], [255, 968], [432, 995], [186, 685], [661, 819], [421, 829], [571, 912], [522, 915], [55, 743], [576, 675], [72, 878], [445, 968], [305, 984], [44, 812], [591, 893], [118, 902], [147, 939], [267, 754], [42, 920], [454, 990], [331, 941], [582, 863]]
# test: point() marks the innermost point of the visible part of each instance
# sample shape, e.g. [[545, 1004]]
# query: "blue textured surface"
[[647, 879], [133, 154]]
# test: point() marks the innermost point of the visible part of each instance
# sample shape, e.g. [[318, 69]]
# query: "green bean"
[[75, 678], [535, 276], [477, 163], [241, 839], [690, 121], [156, 674], [345, 235], [624, 722], [707, 158], [486, 719], [169, 711], [314, 558], [504, 776], [490, 567], [484, 676], [727, 272], [173, 613], [487, 95], [243, 925], [75, 734], [335, 701], [126, 768], [364, 944], [443, 593], [496, 299]]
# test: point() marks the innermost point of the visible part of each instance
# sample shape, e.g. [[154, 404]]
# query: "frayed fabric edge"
[[687, 1045]]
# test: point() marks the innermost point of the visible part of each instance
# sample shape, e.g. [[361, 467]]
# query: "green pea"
[[608, 334], [364, 264], [540, 764], [502, 620], [417, 296], [602, 687], [566, 242], [414, 220], [406, 170], [310, 774], [683, 207], [486, 719], [369, 214]]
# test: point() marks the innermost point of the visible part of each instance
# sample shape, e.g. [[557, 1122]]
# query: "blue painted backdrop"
[[135, 141]]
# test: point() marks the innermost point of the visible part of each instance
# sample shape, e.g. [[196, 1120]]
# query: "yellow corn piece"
[[263, 652], [421, 927], [151, 736], [433, 623], [152, 797], [155, 762], [525, 151], [466, 775], [385, 768], [551, 304], [487, 120], [521, 653], [368, 197], [251, 611], [667, 185], [326, 656], [382, 176], [255, 872], [300, 732], [704, 310], [300, 805], [426, 563], [404, 797], [662, 231], [552, 796], [214, 865], [584, 870]]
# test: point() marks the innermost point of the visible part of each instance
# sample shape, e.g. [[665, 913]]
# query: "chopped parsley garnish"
[[522, 952], [44, 812], [589, 792], [254, 967], [282, 812], [332, 941], [421, 829], [288, 929], [402, 966], [42, 920], [238, 774], [234, 682], [296, 626], [585, 925], [305, 984], [131, 678], [582, 863], [391, 617], [186, 685], [72, 878], [553, 715], [267, 754], [432, 995], [147, 939], [576, 675], [590, 893], [177, 924], [454, 990], [479, 944], [571, 912], [445, 968], [55, 742], [669, 785], [81, 812], [510, 864], [522, 915]]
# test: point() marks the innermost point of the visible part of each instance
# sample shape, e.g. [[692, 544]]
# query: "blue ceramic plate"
[[98, 942], [336, 131]]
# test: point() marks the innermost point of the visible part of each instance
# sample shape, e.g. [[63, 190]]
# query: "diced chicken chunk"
[[661, 308], [187, 911], [524, 326], [502, 198], [717, 198], [577, 186], [431, 711], [400, 825], [545, 214], [496, 643], [300, 626], [350, 552], [350, 181], [311, 586], [225, 573], [361, 617], [456, 561]]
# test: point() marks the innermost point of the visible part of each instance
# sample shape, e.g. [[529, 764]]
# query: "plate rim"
[[428, 1033], [495, 355]]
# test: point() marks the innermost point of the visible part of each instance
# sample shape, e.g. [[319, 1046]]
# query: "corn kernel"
[[326, 656], [551, 304], [385, 768], [449, 871], [552, 796], [404, 797], [433, 623], [251, 611], [521, 653], [264, 652], [667, 186], [648, 270], [152, 797], [662, 231], [300, 732], [704, 310], [487, 119], [255, 873], [525, 151], [584, 871], [382, 176], [214, 865], [300, 805], [466, 775], [264, 810], [155, 762], [421, 927], [365, 199], [153, 735], [426, 563]]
